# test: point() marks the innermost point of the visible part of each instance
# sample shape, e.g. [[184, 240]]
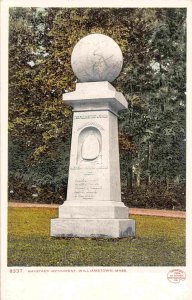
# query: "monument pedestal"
[[93, 206], [110, 228]]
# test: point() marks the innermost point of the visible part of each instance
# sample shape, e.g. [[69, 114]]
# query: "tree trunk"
[[138, 173], [148, 163], [177, 179], [129, 172], [167, 182]]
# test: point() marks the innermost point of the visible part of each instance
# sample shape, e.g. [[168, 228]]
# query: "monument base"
[[93, 210], [110, 228]]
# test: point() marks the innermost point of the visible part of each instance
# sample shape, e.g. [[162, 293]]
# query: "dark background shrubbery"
[[157, 195], [20, 191]]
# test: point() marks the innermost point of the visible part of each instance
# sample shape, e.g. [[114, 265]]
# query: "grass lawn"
[[159, 242]]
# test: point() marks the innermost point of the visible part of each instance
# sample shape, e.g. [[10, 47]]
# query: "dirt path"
[[158, 212], [132, 211]]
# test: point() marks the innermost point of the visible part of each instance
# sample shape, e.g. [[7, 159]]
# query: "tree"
[[156, 112]]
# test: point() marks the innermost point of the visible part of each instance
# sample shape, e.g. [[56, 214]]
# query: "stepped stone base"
[[93, 210], [110, 228]]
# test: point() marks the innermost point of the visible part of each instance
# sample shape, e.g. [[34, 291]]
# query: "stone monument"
[[93, 207]]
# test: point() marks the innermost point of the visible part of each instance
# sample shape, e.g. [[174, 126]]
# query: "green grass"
[[159, 242]]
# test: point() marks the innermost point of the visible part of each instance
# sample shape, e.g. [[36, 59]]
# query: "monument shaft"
[[92, 175]]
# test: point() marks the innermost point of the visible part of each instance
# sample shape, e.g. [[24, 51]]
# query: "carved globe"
[[96, 57]]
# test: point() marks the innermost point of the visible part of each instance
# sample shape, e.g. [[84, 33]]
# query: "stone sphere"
[[96, 57]]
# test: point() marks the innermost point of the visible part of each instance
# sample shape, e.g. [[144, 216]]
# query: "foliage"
[[155, 195], [156, 116], [152, 130], [41, 192], [159, 242]]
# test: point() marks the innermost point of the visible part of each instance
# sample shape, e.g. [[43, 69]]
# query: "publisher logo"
[[176, 275]]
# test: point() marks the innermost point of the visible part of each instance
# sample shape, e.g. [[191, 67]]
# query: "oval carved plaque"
[[90, 147]]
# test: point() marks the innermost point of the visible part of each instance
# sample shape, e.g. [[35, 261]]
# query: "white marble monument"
[[93, 207]]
